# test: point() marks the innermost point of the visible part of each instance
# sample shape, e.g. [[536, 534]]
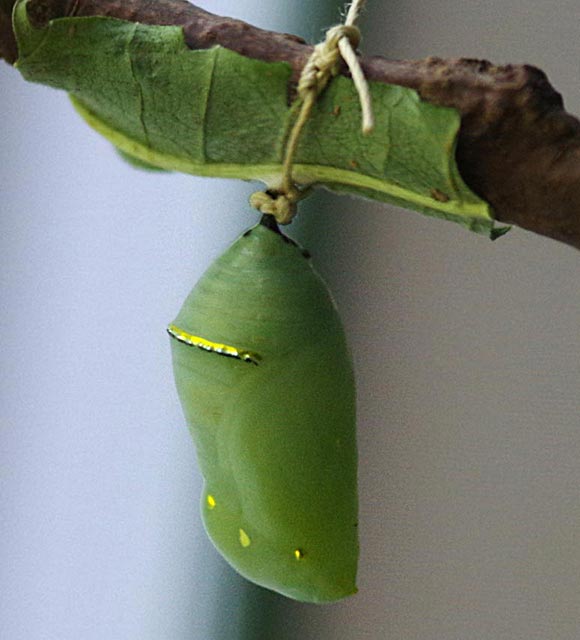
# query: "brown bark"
[[8, 49], [518, 148]]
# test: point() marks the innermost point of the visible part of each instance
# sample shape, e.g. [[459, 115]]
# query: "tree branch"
[[518, 149]]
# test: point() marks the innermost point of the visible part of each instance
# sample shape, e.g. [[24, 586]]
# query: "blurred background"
[[467, 354]]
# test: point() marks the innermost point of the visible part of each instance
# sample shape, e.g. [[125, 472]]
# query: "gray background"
[[468, 364]]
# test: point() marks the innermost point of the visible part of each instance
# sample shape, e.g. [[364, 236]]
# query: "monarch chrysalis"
[[266, 383]]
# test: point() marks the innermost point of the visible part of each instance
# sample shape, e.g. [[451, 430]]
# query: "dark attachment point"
[[269, 221]]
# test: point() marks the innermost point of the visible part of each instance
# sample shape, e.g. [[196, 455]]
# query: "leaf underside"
[[216, 113]]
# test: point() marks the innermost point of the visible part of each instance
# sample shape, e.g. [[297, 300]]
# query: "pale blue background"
[[467, 353]]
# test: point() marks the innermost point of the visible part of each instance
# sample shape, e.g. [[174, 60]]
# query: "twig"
[[517, 148]]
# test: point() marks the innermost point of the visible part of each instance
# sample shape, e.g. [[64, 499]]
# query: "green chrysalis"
[[266, 383]]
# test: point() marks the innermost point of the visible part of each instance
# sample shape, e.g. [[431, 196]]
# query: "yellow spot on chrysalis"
[[298, 554], [210, 501], [207, 345], [244, 538]]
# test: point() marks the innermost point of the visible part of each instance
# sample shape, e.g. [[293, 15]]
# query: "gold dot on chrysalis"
[[244, 538], [210, 501], [298, 554]]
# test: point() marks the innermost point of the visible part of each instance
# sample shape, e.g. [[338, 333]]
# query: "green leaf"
[[216, 113], [137, 162]]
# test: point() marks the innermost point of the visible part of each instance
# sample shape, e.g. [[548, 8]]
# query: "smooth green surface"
[[216, 113], [276, 442]]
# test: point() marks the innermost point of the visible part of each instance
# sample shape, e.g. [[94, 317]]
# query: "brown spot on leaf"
[[438, 195]]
